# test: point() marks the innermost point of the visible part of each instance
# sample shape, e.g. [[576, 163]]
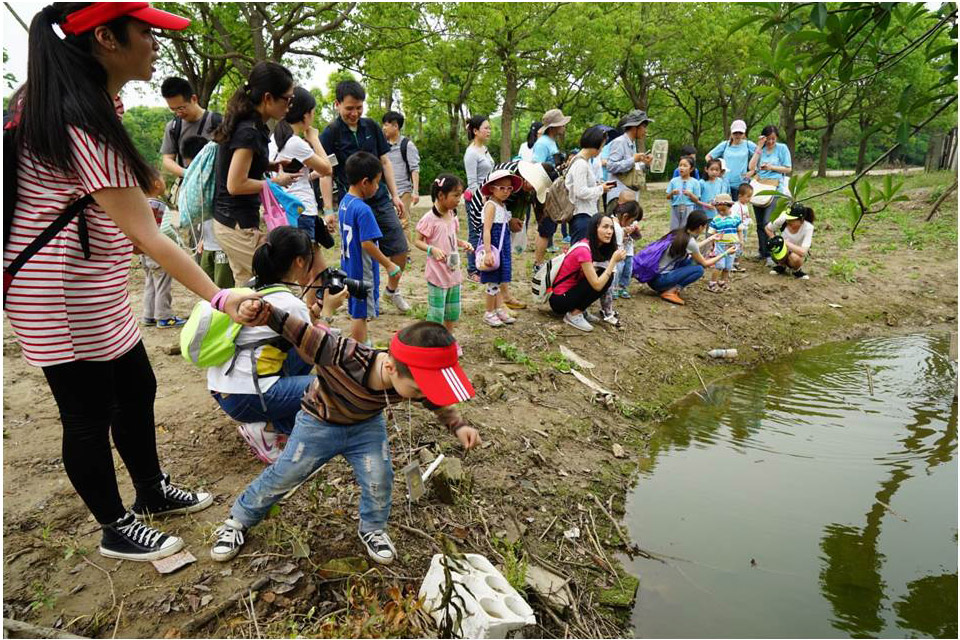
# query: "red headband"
[[100, 13], [435, 370], [423, 357]]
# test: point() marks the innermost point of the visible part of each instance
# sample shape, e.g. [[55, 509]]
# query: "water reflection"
[[819, 426]]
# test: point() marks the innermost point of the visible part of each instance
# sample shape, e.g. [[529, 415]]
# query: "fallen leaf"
[[618, 451], [572, 533]]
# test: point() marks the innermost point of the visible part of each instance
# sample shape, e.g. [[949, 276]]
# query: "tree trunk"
[[862, 152], [453, 111], [825, 138], [788, 120], [724, 118], [509, 105]]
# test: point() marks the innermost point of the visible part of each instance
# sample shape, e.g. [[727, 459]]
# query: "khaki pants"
[[239, 245], [406, 199]]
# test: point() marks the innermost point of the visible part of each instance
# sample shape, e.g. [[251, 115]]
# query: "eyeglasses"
[[181, 109], [288, 99]]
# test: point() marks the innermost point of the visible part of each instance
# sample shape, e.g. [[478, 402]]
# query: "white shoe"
[[578, 322], [492, 319], [264, 443], [590, 317], [379, 546], [229, 541], [397, 299], [612, 319], [505, 317]]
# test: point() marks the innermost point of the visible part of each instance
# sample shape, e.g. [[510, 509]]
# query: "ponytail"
[[265, 77], [444, 184], [273, 259], [681, 237], [67, 86]]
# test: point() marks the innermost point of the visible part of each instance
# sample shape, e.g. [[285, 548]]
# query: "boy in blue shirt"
[[359, 233], [727, 235]]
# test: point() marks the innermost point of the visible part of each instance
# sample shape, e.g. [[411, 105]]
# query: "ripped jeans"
[[312, 443]]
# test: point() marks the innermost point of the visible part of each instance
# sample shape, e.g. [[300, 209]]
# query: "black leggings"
[[95, 399], [580, 296]]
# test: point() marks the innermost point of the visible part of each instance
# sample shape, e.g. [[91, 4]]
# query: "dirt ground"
[[547, 465]]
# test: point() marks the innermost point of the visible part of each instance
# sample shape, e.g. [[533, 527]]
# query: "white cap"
[[738, 126]]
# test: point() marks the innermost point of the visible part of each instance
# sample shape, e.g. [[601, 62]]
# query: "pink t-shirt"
[[441, 232], [576, 256]]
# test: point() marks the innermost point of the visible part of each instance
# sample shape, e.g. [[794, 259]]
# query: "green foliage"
[[559, 362], [843, 269], [512, 352], [514, 562], [145, 126]]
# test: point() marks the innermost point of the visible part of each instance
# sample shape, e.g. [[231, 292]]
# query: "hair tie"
[[439, 182]]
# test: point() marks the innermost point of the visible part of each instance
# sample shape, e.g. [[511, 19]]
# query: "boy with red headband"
[[342, 414]]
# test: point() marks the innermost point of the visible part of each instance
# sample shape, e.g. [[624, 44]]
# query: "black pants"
[[96, 399], [763, 217], [580, 296]]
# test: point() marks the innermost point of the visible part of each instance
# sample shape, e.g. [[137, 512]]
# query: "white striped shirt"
[[62, 306]]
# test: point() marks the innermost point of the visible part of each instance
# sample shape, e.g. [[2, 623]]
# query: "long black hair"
[[681, 237], [302, 104], [600, 252], [533, 133], [272, 259], [445, 183], [265, 77], [473, 124], [67, 86]]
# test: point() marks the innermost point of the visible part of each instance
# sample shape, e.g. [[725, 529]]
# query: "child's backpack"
[[198, 189], [557, 203], [208, 339], [544, 279], [646, 264]]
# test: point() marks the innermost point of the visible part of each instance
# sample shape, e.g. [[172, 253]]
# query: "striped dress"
[[64, 307]]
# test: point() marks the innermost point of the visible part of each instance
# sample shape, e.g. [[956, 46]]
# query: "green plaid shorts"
[[443, 305]]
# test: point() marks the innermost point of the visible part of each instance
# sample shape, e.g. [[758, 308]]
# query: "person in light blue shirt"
[[771, 160], [554, 125], [736, 153], [684, 193], [711, 187]]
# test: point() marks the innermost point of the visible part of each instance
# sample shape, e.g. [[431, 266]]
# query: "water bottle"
[[722, 353]]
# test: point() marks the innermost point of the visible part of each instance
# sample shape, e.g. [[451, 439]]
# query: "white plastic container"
[[722, 353], [492, 608]]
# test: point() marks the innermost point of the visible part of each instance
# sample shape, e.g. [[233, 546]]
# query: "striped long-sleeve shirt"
[[340, 394]]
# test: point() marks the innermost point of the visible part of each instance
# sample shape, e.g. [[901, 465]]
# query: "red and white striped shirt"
[[64, 307]]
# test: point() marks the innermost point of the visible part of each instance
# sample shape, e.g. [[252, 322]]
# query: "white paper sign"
[[659, 163]]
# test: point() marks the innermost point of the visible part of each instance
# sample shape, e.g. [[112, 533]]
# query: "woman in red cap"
[[78, 212]]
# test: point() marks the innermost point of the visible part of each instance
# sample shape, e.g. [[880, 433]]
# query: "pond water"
[[815, 497]]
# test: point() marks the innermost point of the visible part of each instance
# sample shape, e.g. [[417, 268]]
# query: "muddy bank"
[[549, 448]]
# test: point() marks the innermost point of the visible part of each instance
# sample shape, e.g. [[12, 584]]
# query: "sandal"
[[713, 286], [724, 285], [474, 277], [514, 304]]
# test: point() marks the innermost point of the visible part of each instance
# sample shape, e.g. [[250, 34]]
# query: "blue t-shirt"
[[605, 154], [737, 157], [779, 157], [727, 226], [695, 174], [358, 225], [709, 190], [544, 149], [690, 184]]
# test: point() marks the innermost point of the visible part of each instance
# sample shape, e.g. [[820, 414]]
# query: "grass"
[[514, 564], [514, 354], [559, 362]]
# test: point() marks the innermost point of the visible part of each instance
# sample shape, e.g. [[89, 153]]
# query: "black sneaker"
[[164, 499], [778, 270], [229, 541], [379, 546], [129, 539], [800, 275]]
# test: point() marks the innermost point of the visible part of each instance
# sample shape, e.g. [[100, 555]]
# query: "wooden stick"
[[705, 390], [890, 509], [869, 379], [623, 536], [18, 628], [418, 532], [549, 526], [198, 622]]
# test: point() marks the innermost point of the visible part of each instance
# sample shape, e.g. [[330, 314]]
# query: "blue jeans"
[[310, 446], [624, 273], [685, 274], [282, 399]]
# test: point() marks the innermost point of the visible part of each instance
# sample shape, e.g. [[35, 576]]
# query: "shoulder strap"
[[403, 154], [175, 135], [50, 232]]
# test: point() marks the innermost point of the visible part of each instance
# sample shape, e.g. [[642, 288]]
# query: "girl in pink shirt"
[[437, 235]]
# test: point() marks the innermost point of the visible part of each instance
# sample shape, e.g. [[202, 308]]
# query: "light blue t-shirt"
[[691, 184], [779, 157], [604, 154], [709, 190], [737, 157], [544, 149]]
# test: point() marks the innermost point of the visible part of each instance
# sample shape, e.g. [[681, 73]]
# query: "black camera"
[[335, 280]]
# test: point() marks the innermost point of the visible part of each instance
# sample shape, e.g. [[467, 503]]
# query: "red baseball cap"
[[100, 13], [436, 371]]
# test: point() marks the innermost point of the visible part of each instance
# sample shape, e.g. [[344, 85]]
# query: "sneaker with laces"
[[578, 322], [612, 319], [379, 546], [505, 317], [625, 294], [169, 323], [492, 319], [264, 444], [164, 499], [778, 270], [130, 539], [229, 541], [590, 317], [800, 275], [396, 298]]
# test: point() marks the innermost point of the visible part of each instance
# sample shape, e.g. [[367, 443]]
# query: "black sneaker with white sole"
[[379, 546], [229, 541], [164, 499], [130, 539]]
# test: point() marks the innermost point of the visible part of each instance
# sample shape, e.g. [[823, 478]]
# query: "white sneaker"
[[397, 299], [264, 443], [578, 322], [612, 319], [379, 546], [590, 317], [505, 317], [229, 541], [492, 319]]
